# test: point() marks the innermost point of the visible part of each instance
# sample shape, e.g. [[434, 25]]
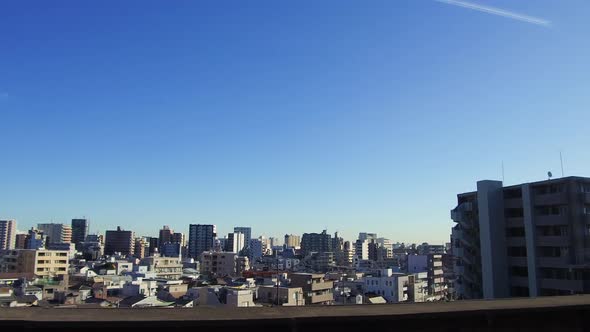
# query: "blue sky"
[[287, 116]]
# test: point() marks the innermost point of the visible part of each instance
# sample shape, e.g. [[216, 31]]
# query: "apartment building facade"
[[316, 242], [223, 263], [316, 290], [119, 241], [80, 229], [531, 239], [56, 233], [433, 266], [169, 268], [7, 234], [201, 238], [43, 263]]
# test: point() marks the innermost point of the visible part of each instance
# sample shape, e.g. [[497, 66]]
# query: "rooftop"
[[213, 314]]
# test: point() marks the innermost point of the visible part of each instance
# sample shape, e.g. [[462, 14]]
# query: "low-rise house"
[[391, 286], [31, 290], [10, 278], [184, 303], [239, 298], [7, 297], [26, 301], [141, 301], [175, 288], [140, 286]]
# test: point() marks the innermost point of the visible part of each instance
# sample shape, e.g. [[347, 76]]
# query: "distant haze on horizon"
[[286, 117]]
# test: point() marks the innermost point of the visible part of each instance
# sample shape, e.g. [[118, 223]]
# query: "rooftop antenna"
[[550, 175], [502, 170], [561, 160]]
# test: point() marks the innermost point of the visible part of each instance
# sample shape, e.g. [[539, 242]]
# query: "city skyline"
[[221, 233], [286, 117]]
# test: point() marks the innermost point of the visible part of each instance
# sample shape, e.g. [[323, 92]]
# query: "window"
[[519, 271], [549, 210], [553, 230], [515, 232], [553, 251], [514, 213], [517, 251], [512, 193]]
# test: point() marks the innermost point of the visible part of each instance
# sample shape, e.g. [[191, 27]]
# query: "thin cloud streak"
[[498, 12]]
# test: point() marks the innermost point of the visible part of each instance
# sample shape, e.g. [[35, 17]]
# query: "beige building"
[[169, 268], [292, 240], [43, 263], [223, 263], [316, 290], [288, 296], [140, 248]]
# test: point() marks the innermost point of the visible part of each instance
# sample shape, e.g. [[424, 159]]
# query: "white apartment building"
[[169, 268], [391, 286]]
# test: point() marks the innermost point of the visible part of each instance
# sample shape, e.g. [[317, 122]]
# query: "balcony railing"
[[316, 286], [550, 220], [322, 298], [562, 284], [551, 199], [553, 261], [552, 241]]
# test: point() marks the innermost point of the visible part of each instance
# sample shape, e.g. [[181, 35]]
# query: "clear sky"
[[287, 116]]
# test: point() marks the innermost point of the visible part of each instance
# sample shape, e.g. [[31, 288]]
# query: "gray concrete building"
[[200, 239], [7, 234], [119, 241], [314, 242], [79, 230], [531, 239]]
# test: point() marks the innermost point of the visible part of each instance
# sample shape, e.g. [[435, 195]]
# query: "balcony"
[[317, 286], [458, 213], [517, 261], [552, 241], [562, 284], [551, 199], [551, 220], [513, 203], [519, 281], [515, 241], [515, 222], [553, 261], [322, 298]]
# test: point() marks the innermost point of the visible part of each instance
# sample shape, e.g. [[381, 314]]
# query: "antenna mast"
[[561, 160]]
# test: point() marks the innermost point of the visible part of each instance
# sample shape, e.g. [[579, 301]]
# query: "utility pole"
[[277, 262]]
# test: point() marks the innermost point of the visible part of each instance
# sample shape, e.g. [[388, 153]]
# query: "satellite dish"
[[549, 174]]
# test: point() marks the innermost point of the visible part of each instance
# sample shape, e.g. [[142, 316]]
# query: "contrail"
[[498, 11]]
